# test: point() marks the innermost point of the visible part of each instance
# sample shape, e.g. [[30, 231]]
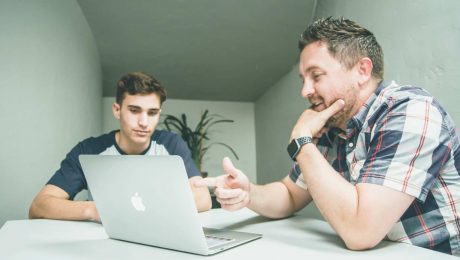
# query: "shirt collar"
[[355, 124], [121, 150]]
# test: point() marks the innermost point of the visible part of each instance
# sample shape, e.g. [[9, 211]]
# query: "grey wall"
[[420, 40], [275, 114], [50, 82]]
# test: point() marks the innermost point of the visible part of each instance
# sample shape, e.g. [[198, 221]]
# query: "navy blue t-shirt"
[[70, 176]]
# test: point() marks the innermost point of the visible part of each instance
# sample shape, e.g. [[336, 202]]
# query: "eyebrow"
[[309, 69], [138, 107]]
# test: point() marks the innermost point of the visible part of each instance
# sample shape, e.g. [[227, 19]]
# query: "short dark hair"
[[347, 42], [139, 83]]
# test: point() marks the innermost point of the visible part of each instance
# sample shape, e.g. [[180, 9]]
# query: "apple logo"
[[136, 200]]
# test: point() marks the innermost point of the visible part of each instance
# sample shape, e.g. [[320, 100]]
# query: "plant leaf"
[[195, 139]]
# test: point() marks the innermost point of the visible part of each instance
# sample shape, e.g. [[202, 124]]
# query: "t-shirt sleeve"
[[180, 148], [69, 176], [409, 146]]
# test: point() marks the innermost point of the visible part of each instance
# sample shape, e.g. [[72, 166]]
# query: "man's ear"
[[116, 110], [364, 69]]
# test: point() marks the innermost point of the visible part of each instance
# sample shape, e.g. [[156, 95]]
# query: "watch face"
[[292, 149]]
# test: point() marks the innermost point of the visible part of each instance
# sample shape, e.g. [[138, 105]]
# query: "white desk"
[[294, 238]]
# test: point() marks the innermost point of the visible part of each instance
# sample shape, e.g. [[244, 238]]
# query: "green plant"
[[197, 139]]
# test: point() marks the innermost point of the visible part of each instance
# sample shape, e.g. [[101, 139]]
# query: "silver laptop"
[[148, 200]]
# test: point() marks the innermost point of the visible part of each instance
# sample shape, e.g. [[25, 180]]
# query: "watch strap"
[[304, 140], [295, 145]]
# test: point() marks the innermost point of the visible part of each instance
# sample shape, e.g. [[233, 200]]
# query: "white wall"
[[240, 135], [420, 40], [50, 82]]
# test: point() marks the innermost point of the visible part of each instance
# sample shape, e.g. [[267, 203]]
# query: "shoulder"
[[96, 145], [396, 94], [405, 100], [164, 136], [172, 142], [410, 109]]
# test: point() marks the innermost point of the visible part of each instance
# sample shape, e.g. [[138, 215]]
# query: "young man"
[[137, 107], [379, 160]]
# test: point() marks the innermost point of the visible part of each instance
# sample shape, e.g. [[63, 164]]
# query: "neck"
[[128, 147], [365, 91]]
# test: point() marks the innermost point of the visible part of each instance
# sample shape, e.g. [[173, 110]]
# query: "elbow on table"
[[34, 211], [359, 242], [279, 214]]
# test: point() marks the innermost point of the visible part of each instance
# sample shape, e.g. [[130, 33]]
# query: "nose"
[[307, 89], [143, 120]]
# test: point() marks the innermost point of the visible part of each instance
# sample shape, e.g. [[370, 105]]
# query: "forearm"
[[361, 214], [56, 208], [202, 199], [336, 199], [271, 200]]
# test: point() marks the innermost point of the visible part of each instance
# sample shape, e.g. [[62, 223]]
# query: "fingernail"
[[341, 102]]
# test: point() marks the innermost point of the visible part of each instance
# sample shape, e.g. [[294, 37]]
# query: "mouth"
[[141, 132], [316, 106]]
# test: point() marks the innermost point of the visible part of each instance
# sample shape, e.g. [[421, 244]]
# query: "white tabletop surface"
[[298, 237]]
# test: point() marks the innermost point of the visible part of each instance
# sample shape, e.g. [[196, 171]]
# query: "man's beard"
[[341, 118], [333, 121], [338, 120]]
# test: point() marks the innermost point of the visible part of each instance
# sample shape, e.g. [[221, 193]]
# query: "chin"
[[140, 139]]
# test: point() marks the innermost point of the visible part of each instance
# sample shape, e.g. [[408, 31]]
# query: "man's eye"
[[316, 76], [153, 113], [133, 110]]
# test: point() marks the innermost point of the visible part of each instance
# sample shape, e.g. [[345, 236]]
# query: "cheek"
[[128, 120], [154, 120], [327, 91], [332, 94]]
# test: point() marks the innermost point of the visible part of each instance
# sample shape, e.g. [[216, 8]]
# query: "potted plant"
[[197, 139]]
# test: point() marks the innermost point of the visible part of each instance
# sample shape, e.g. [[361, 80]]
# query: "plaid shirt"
[[403, 139]]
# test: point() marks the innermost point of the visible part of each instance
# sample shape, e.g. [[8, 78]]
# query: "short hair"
[[139, 83], [347, 42]]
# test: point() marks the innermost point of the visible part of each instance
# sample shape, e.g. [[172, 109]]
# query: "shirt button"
[[350, 145]]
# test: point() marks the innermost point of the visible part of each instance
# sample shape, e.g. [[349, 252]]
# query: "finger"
[[333, 109], [223, 193], [229, 168], [236, 206], [232, 207], [209, 182], [233, 200]]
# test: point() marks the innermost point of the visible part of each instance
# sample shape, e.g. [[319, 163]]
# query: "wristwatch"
[[294, 147]]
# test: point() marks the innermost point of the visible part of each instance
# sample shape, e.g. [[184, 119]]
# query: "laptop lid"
[[148, 200]]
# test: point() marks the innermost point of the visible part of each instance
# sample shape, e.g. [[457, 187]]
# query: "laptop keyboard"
[[217, 241]]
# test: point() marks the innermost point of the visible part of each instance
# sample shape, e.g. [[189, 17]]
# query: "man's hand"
[[232, 188], [312, 123]]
